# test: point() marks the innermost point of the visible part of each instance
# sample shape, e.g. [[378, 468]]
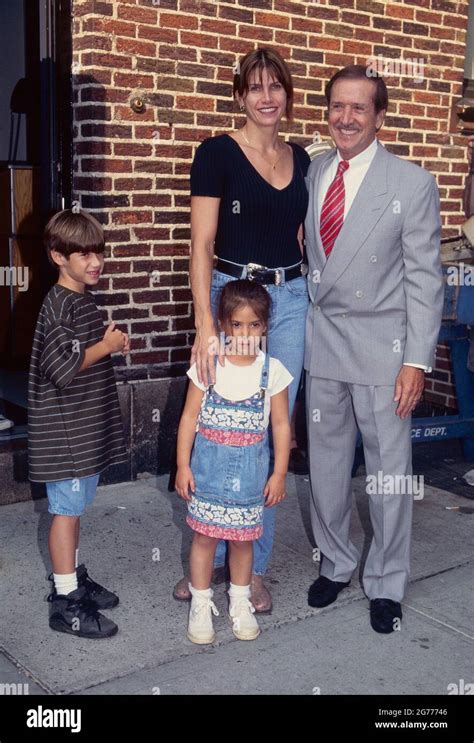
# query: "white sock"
[[237, 592], [65, 583], [77, 559], [206, 593]]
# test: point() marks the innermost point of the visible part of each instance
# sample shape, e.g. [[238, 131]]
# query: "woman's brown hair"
[[276, 66]]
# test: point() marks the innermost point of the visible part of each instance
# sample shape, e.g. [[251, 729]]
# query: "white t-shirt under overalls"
[[237, 382]]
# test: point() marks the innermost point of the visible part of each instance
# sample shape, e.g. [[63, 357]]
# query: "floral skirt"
[[228, 501]]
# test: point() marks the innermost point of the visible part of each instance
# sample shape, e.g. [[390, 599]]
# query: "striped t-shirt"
[[74, 420]]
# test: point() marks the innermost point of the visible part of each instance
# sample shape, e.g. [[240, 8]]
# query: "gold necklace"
[[263, 158]]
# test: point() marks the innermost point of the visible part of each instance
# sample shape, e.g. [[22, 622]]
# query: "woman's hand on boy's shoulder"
[[274, 491], [184, 482]]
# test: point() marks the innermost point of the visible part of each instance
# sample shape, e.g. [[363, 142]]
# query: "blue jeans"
[[285, 342]]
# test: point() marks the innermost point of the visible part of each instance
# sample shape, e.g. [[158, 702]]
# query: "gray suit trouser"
[[334, 411]]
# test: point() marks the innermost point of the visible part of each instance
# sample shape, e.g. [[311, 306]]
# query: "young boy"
[[74, 421]]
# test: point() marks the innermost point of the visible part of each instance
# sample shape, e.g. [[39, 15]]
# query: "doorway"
[[35, 179]]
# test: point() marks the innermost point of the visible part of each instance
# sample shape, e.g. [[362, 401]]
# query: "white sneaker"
[[200, 629], [244, 624], [5, 423]]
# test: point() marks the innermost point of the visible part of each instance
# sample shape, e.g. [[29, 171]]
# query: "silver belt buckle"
[[251, 267], [277, 277], [304, 269]]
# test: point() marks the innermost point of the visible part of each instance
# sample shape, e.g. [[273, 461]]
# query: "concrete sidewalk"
[[135, 541]]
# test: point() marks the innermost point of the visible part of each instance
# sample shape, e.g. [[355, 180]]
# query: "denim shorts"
[[70, 497]]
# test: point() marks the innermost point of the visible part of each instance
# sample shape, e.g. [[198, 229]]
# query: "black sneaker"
[[76, 614], [101, 596]]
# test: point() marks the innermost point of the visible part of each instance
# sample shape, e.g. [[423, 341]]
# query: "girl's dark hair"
[[258, 60], [73, 232], [241, 292], [361, 72]]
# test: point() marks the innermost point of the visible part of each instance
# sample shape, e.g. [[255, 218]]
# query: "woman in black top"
[[249, 201]]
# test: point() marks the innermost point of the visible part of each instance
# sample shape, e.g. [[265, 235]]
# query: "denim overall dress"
[[230, 463]]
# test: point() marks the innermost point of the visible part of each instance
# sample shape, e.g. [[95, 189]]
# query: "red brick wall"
[[440, 385], [131, 169]]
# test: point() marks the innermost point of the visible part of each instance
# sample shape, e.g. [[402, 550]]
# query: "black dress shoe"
[[383, 615], [324, 591]]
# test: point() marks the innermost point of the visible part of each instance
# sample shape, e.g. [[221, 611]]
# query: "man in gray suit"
[[373, 244]]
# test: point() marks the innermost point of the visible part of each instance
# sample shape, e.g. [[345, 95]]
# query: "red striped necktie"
[[332, 213]]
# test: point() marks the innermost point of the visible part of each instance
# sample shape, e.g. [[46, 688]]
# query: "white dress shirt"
[[353, 177]]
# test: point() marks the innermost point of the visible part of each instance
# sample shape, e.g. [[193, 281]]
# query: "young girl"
[[225, 483]]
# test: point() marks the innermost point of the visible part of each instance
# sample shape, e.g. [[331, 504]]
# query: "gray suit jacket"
[[377, 301]]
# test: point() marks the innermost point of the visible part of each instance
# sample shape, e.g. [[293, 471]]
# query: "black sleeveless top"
[[257, 222]]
